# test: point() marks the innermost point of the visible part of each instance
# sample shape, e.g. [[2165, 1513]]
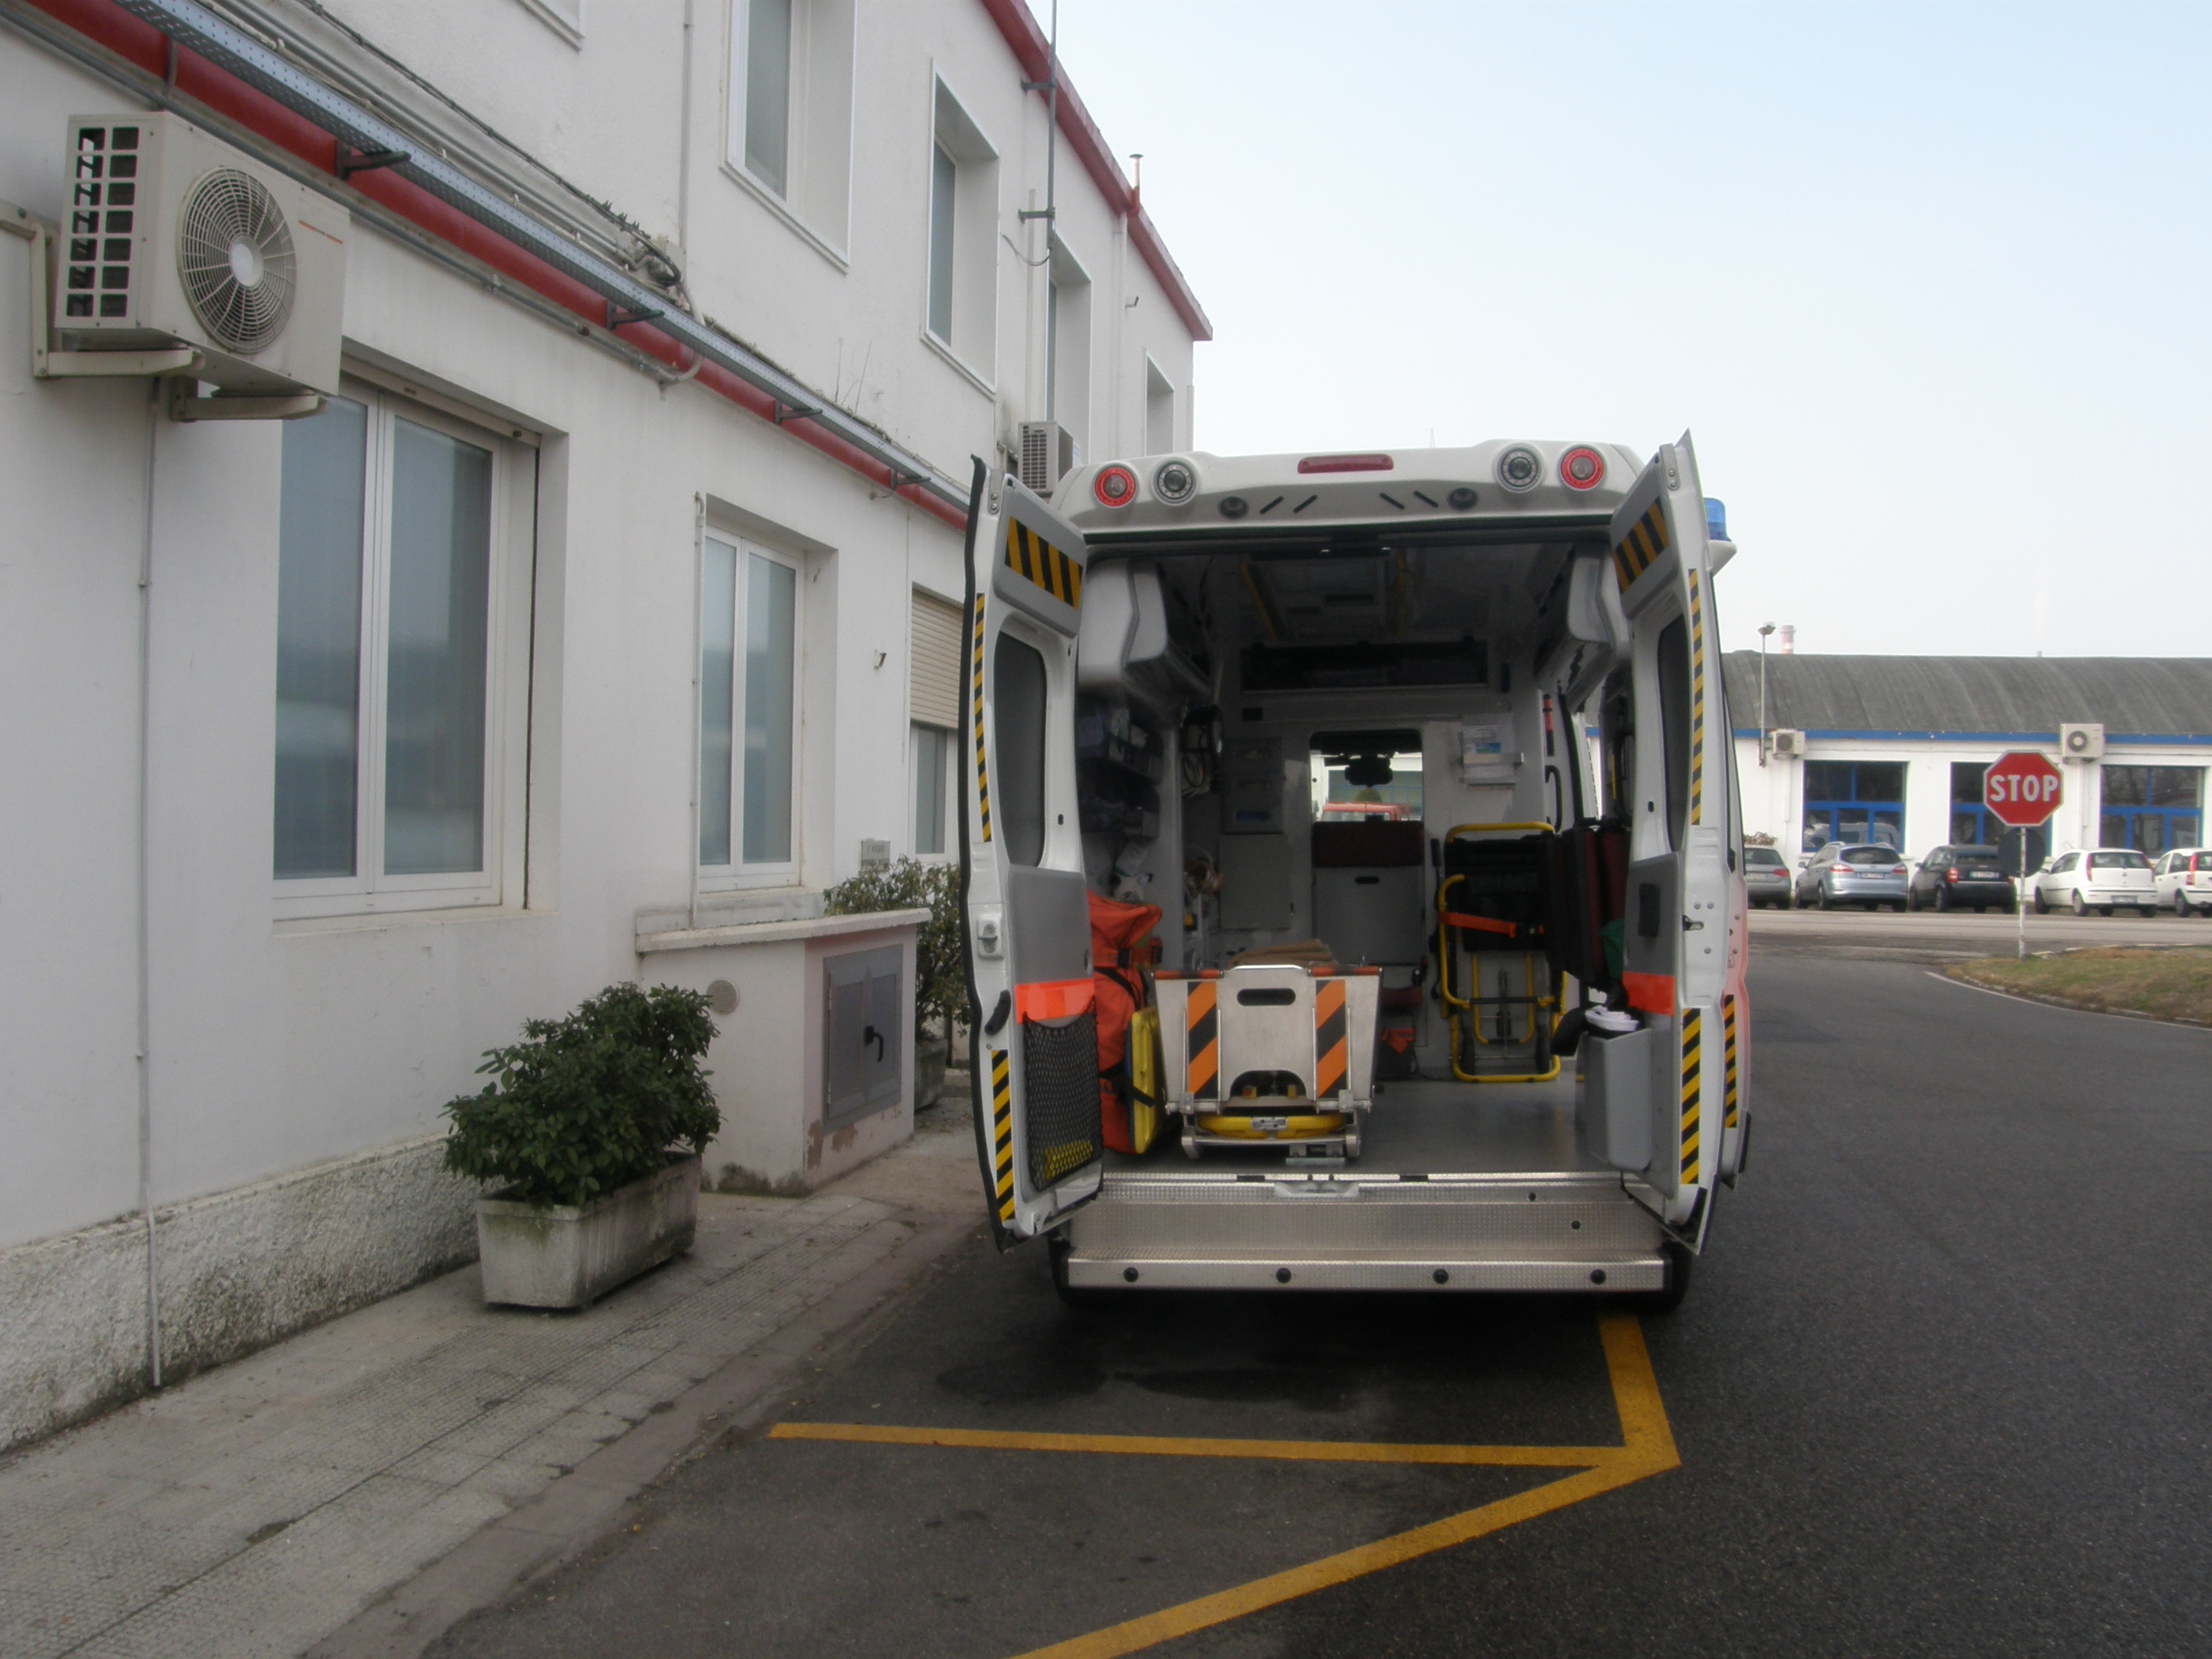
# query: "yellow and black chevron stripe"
[[1002, 1132], [1639, 549], [1692, 1064], [1202, 1045], [1727, 1062], [975, 682], [1032, 557], [1697, 702]]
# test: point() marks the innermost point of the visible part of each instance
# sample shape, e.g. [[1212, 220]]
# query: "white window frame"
[[738, 874], [369, 892], [1158, 385], [972, 346], [948, 798], [1069, 303], [811, 136]]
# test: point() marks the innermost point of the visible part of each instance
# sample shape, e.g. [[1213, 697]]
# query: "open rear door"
[[1034, 1044], [1679, 907]]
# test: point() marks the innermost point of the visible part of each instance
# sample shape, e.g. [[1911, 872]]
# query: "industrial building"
[[1893, 749]]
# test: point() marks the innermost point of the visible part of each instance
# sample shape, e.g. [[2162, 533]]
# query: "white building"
[[1893, 749], [559, 648]]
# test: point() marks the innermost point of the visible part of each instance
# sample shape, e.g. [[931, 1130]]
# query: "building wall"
[[278, 1044]]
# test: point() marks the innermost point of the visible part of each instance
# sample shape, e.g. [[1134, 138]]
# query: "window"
[[791, 108], [933, 657], [1674, 652], [961, 311], [1068, 347], [1159, 409], [1365, 787], [748, 709], [1859, 802], [389, 680], [2151, 808], [1974, 824], [1017, 700]]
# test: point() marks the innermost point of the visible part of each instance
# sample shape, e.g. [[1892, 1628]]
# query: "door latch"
[[1689, 926]]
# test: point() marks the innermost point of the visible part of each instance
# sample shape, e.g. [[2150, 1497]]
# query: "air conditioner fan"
[[234, 256]]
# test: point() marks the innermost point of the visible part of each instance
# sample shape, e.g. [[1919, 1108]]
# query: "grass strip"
[[2165, 982]]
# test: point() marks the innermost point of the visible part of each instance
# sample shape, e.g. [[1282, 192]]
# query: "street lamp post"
[[1764, 629]]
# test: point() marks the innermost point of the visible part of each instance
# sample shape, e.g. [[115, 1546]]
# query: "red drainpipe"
[[147, 48]]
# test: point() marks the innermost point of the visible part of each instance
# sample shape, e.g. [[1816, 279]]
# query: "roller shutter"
[[934, 656]]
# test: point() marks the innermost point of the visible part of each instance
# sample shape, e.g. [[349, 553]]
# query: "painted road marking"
[[1647, 1448]]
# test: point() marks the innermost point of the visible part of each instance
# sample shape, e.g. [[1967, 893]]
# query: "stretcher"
[[1270, 1054]]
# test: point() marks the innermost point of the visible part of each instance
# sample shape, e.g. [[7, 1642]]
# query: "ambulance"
[[1423, 758]]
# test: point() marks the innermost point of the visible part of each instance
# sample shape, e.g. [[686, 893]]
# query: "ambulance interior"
[[1291, 754]]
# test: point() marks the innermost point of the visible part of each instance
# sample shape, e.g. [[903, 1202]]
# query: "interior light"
[[1114, 486], [1581, 468], [1347, 464]]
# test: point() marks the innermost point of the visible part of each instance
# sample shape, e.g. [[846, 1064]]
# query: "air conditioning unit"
[[1049, 453], [2083, 742], [174, 238], [1784, 741]]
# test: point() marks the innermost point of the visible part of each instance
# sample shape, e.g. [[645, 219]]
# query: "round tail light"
[[1114, 486], [1581, 468]]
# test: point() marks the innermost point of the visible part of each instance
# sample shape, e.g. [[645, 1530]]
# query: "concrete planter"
[[564, 1255]]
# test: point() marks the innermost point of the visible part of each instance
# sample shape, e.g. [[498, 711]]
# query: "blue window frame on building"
[[1974, 824], [1858, 802], [2152, 808]]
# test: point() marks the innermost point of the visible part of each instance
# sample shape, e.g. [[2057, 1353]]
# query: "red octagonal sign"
[[2021, 788]]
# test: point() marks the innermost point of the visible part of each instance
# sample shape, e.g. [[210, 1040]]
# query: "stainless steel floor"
[[1425, 1127]]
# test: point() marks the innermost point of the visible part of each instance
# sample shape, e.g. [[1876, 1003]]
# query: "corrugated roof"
[[2134, 696]]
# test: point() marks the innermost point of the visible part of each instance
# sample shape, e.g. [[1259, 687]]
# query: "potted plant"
[[580, 1127], [941, 992]]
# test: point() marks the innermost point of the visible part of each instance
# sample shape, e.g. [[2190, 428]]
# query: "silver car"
[[1767, 877], [1844, 872]]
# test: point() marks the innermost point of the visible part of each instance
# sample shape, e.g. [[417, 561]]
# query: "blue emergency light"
[[1716, 520]]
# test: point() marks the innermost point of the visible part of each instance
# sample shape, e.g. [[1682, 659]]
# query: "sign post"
[[2022, 790]]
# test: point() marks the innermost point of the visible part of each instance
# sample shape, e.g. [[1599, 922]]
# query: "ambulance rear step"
[[1345, 1230]]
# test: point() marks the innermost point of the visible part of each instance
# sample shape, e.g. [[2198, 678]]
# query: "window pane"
[[1881, 780], [768, 92], [1018, 695], [2126, 786], [2176, 785], [717, 667], [319, 642], [1675, 717], [943, 176], [771, 608], [1966, 778], [434, 742], [929, 745]]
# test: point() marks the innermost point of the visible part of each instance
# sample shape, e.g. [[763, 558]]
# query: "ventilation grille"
[[1048, 454], [234, 257], [98, 273]]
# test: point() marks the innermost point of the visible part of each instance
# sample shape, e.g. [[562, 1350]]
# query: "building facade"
[[573, 637], [1893, 749]]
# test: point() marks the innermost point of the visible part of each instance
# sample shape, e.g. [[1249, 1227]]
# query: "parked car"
[[2104, 880], [1955, 876], [2183, 878], [1844, 872], [1767, 877]]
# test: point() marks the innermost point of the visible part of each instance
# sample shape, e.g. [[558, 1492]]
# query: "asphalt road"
[[1940, 1388]]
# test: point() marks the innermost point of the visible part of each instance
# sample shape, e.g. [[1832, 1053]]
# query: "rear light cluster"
[[1114, 486], [1581, 468]]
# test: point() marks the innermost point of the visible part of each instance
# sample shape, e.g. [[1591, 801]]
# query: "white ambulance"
[[1423, 757]]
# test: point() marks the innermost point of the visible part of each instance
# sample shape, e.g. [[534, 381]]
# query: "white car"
[[2105, 879], [2183, 879]]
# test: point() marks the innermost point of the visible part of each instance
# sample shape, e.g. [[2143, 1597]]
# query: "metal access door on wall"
[[863, 1034]]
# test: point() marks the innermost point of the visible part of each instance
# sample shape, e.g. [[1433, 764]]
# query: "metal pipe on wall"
[[144, 969]]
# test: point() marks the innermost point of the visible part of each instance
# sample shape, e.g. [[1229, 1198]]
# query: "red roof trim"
[[1033, 51]]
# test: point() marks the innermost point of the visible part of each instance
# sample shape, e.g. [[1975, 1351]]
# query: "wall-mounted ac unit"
[[173, 238], [1786, 741], [2081, 742], [1049, 453]]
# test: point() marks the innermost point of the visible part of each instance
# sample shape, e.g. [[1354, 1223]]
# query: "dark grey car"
[[1765, 877], [1957, 876]]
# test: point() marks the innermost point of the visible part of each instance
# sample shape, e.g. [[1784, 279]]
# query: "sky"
[[1928, 283]]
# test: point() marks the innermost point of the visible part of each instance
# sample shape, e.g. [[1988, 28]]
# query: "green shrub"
[[590, 1102], [939, 955]]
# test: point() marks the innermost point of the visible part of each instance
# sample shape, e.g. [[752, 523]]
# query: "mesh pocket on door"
[[1060, 1097]]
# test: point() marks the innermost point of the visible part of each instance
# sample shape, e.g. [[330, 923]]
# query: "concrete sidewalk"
[[354, 1489]]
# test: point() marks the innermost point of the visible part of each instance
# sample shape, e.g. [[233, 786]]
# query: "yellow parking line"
[[1153, 1445], [1647, 1448]]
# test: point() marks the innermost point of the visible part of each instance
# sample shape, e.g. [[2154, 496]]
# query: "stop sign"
[[2021, 788]]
